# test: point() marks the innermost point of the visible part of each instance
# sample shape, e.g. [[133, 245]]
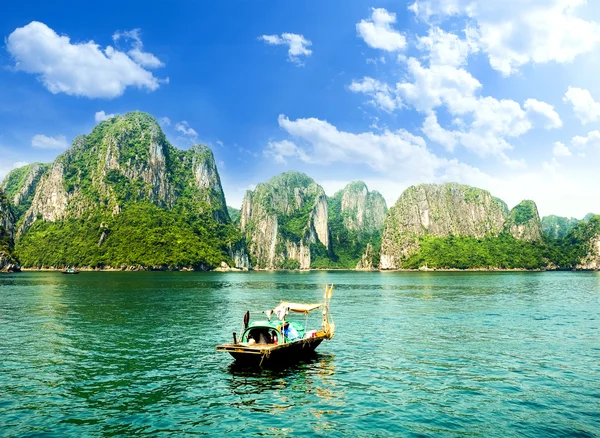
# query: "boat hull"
[[272, 354]]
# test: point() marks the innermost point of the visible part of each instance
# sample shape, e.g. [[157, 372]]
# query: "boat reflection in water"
[[276, 341]]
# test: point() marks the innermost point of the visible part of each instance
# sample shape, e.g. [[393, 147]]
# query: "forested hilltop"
[[123, 198]]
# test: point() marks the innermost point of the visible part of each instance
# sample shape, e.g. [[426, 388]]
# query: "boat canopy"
[[299, 307]]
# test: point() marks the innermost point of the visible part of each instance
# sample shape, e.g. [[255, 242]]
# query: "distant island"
[[122, 197]]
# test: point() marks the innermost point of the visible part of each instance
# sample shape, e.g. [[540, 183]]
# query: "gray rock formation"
[[283, 218], [524, 223], [438, 210]]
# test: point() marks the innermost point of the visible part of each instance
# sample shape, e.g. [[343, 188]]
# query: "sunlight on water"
[[463, 354]]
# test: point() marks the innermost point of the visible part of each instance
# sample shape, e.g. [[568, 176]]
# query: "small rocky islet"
[[122, 197]]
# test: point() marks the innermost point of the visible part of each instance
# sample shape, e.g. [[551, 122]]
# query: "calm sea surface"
[[415, 354]]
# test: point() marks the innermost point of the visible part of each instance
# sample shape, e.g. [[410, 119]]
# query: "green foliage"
[[234, 215], [570, 250], [453, 252], [557, 227], [290, 264], [523, 212], [504, 251], [294, 226], [143, 234]]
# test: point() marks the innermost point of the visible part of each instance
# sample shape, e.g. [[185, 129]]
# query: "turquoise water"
[[415, 354]]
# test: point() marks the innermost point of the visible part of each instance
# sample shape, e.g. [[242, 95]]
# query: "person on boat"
[[290, 332]]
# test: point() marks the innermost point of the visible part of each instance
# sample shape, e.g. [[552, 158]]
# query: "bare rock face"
[[524, 223], [356, 218], [20, 184], [363, 211], [591, 262], [366, 261], [438, 210], [283, 218], [50, 199]]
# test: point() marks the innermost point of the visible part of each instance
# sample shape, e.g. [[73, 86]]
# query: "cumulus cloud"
[[585, 107], [516, 32], [592, 139], [438, 80], [164, 121], [185, 129], [388, 153], [378, 32], [383, 95], [279, 150], [297, 45], [561, 150], [77, 69], [144, 59], [101, 116], [44, 142], [536, 108]]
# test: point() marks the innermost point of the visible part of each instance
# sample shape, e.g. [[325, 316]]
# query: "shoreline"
[[219, 269]]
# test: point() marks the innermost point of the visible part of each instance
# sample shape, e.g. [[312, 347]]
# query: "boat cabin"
[[269, 332]]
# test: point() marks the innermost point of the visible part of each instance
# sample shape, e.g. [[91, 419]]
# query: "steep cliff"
[[7, 233], [524, 223], [126, 165], [438, 210], [20, 185], [356, 218], [284, 220], [557, 227]]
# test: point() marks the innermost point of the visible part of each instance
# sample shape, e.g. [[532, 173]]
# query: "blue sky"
[[496, 94]]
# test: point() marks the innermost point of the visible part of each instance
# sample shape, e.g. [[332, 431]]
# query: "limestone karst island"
[[122, 197]]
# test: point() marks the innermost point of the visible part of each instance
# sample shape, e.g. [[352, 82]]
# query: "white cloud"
[[561, 150], [185, 129], [297, 45], [383, 96], [483, 123], [584, 105], [545, 110], [432, 129], [44, 142], [388, 153], [144, 59], [80, 69], [101, 116], [516, 32], [164, 121], [279, 150], [378, 32], [592, 139], [446, 48]]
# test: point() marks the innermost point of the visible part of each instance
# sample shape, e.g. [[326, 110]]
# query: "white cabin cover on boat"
[[298, 307]]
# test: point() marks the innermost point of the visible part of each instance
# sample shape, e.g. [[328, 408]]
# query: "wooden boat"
[[70, 271], [276, 340]]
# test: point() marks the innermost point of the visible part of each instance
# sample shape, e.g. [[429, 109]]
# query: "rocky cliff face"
[[438, 210], [7, 233], [356, 218], [283, 218], [124, 161], [524, 223], [585, 238], [363, 211], [20, 185]]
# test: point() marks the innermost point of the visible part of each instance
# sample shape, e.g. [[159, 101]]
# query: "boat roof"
[[300, 307]]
